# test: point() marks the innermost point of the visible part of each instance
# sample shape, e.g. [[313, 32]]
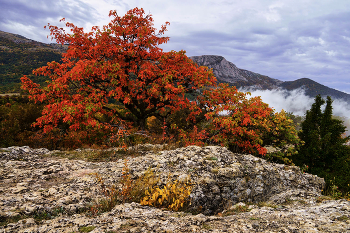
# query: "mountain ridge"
[[228, 72], [19, 39]]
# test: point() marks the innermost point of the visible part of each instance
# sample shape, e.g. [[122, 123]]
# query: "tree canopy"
[[120, 63]]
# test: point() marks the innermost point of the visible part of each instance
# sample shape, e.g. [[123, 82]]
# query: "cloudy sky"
[[283, 39]]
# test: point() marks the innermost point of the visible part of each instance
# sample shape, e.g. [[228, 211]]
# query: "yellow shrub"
[[144, 189], [173, 196]]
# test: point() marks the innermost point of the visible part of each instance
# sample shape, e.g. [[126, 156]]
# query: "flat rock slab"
[[33, 181], [329, 216]]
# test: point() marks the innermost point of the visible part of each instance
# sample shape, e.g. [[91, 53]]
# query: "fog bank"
[[298, 102]]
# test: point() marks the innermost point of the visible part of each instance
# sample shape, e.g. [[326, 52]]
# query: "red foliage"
[[123, 64], [236, 121], [120, 62]]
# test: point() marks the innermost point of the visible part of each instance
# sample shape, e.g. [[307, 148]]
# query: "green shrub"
[[17, 115]]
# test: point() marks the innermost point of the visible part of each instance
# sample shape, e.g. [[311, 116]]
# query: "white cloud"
[[298, 103], [294, 101]]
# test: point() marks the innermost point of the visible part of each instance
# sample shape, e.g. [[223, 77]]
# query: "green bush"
[[16, 117]]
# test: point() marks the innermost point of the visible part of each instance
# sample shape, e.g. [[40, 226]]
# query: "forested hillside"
[[20, 56]]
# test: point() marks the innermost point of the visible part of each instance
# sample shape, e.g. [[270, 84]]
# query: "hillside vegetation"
[[20, 56]]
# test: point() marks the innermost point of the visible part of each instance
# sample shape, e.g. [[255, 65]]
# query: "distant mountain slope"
[[20, 56], [313, 88], [227, 72], [24, 42]]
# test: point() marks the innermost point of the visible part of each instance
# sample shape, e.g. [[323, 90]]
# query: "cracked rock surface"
[[34, 181]]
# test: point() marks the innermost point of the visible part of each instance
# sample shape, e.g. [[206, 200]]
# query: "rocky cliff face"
[[226, 71], [34, 181], [222, 68]]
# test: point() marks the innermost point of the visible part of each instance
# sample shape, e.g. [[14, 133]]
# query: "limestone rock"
[[34, 182], [228, 72]]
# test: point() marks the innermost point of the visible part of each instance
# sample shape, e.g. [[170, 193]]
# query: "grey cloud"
[[262, 31], [42, 9], [297, 102], [39, 13]]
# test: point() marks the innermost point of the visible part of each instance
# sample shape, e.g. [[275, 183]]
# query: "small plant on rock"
[[131, 190], [236, 209], [174, 195], [333, 190]]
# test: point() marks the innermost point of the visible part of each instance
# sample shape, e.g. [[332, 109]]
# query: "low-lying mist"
[[298, 103]]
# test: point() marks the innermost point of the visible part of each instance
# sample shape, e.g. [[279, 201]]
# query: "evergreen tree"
[[324, 150], [310, 134], [332, 140]]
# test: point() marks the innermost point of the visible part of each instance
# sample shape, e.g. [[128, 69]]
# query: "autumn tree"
[[237, 121], [120, 63], [281, 135], [118, 75]]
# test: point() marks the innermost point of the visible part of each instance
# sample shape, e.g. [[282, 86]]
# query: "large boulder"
[[223, 178]]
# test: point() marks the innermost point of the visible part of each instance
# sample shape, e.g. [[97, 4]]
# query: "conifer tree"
[[324, 150], [323, 137], [310, 135], [332, 141]]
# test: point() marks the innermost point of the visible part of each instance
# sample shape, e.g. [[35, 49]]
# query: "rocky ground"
[[43, 192]]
